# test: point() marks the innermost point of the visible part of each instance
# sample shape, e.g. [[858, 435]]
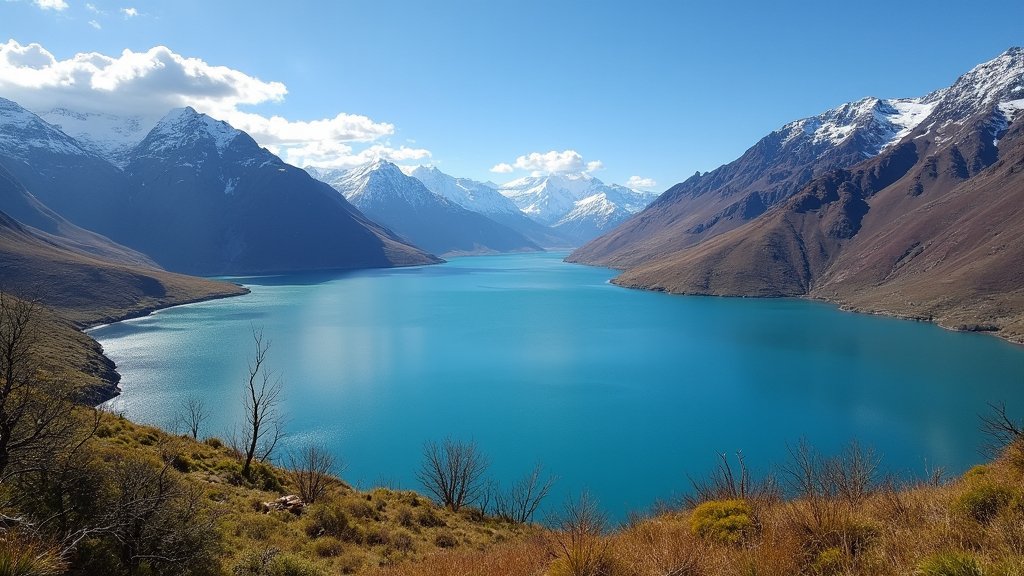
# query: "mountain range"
[[906, 207], [402, 203], [578, 206], [195, 195]]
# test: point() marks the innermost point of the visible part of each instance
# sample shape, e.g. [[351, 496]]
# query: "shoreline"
[[113, 388], [841, 306]]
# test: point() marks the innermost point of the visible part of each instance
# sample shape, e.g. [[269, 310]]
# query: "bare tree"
[[1001, 430], [263, 425], [191, 416], [521, 502], [453, 472], [311, 469], [36, 408]]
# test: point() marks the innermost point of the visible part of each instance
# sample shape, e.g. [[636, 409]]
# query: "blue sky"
[[646, 88]]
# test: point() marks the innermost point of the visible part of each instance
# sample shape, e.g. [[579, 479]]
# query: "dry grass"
[[348, 531], [972, 525]]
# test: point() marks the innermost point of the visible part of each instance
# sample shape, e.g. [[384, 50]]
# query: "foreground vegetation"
[[88, 492]]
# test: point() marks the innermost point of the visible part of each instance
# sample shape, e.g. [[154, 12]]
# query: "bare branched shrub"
[[1000, 429], [452, 472], [727, 483], [520, 503], [579, 543], [264, 426], [191, 416], [36, 408], [311, 468]]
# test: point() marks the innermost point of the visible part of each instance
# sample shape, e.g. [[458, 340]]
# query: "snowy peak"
[[23, 134], [183, 129], [375, 183], [549, 198], [984, 87], [106, 135], [878, 123], [470, 194]]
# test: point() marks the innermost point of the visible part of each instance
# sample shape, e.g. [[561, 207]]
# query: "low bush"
[[724, 521], [983, 501], [446, 539], [950, 564], [327, 547], [327, 519], [429, 518]]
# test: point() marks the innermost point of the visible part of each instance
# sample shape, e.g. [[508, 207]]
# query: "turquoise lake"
[[623, 393]]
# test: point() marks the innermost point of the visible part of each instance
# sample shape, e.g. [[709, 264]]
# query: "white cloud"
[[129, 12], [95, 24], [640, 183], [92, 8], [57, 5], [150, 83], [549, 162]]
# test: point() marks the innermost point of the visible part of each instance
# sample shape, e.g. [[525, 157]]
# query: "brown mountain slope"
[[767, 174], [933, 229]]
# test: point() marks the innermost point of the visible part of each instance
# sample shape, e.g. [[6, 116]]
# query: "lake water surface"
[[623, 393]]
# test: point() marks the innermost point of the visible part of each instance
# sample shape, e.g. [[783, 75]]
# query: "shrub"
[[328, 519], [950, 564], [361, 509], [429, 518], [271, 562], [264, 478], [377, 535], [289, 565], [829, 561], [983, 501], [405, 517], [213, 443], [724, 521], [327, 547], [446, 539], [402, 540]]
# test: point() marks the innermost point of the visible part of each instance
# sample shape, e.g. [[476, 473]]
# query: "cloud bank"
[[148, 84], [641, 183], [549, 163]]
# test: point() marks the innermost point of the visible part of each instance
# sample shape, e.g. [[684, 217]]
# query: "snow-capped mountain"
[[483, 197], [206, 198], [58, 170], [768, 173], [878, 123], [470, 194], [404, 204], [579, 205], [106, 135], [908, 207]]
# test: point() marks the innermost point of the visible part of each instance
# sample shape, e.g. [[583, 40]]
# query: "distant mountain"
[[402, 203], [60, 172], [483, 197], [578, 206], [196, 196], [106, 135], [931, 227], [768, 173]]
